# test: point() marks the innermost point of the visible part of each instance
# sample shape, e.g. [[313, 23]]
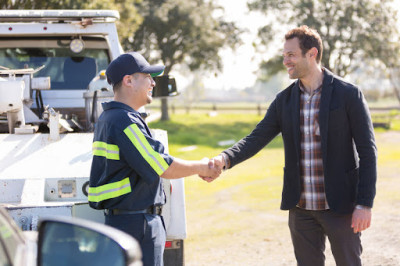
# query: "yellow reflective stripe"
[[110, 151], [109, 191], [137, 138]]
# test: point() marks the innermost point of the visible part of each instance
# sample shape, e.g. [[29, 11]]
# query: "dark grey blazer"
[[347, 140]]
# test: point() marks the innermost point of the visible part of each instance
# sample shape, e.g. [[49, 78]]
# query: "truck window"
[[67, 70]]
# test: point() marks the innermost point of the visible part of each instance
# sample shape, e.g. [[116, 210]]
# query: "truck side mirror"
[[165, 86], [66, 241]]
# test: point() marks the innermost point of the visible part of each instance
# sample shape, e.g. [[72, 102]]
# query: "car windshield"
[[66, 69]]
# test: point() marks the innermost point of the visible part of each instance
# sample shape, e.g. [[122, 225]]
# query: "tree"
[[350, 30], [183, 32]]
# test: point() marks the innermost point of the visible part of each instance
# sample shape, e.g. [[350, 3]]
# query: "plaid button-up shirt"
[[312, 174]]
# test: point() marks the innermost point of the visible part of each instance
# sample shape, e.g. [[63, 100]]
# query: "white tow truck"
[[52, 84]]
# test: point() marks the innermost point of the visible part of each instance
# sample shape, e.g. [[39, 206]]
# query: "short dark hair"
[[117, 86], [308, 38]]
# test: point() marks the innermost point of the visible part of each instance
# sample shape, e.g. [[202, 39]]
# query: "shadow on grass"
[[208, 134]]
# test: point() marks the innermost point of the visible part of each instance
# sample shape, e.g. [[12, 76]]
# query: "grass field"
[[236, 219]]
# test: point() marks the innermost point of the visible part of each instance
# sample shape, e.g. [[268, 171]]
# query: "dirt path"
[[264, 237]]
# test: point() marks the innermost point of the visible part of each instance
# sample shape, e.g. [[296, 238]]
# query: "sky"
[[240, 66]]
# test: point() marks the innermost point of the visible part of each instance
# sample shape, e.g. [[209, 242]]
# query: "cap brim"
[[154, 71], [156, 74]]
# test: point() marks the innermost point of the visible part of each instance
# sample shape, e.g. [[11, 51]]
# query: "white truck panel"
[[34, 156]]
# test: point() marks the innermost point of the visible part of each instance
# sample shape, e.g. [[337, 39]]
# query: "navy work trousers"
[[309, 230], [147, 229]]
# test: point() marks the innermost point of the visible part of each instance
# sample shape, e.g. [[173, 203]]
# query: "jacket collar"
[[115, 104]]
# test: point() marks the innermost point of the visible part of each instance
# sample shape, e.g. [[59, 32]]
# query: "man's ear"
[[313, 52], [127, 80]]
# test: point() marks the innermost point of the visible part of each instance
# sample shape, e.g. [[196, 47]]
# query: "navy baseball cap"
[[128, 64]]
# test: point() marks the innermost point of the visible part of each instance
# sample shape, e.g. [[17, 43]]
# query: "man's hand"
[[216, 162], [219, 161], [361, 219], [210, 171]]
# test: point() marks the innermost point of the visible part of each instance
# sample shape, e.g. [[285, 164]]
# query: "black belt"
[[151, 210]]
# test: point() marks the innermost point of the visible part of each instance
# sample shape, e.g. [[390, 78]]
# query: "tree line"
[[190, 33]]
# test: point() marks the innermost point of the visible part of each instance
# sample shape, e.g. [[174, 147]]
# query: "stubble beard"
[[149, 99], [299, 71]]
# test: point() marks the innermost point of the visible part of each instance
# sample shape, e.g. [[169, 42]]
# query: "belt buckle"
[[156, 209], [159, 210]]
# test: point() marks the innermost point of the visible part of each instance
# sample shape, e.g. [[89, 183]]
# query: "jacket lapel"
[[326, 93], [295, 104]]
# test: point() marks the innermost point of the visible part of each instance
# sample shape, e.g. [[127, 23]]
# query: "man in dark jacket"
[[330, 154]]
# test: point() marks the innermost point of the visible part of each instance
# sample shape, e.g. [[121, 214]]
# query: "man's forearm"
[[182, 168]]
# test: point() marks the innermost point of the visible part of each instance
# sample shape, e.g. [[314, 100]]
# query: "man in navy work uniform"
[[128, 162], [330, 154]]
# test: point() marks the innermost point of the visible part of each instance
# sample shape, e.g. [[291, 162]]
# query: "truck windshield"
[[67, 70]]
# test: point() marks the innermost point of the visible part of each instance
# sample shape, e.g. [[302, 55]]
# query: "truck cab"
[[72, 45]]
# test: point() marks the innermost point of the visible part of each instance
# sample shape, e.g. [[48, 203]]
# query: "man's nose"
[[285, 61]]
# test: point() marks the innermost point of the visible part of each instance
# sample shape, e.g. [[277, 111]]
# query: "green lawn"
[[203, 133]]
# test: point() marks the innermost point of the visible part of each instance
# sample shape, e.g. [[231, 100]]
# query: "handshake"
[[211, 168]]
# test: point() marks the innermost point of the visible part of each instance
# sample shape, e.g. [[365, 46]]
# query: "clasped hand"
[[214, 168]]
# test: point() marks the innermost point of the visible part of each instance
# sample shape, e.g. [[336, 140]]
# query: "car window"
[[65, 244]]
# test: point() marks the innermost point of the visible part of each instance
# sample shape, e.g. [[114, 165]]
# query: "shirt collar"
[[302, 89]]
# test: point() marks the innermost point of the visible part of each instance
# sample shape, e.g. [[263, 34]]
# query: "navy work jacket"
[[127, 161]]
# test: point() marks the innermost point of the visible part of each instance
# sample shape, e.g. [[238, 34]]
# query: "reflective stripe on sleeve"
[[109, 191], [110, 151], [137, 138]]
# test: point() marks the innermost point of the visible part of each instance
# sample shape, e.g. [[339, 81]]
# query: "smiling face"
[[135, 90], [297, 64], [143, 85]]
